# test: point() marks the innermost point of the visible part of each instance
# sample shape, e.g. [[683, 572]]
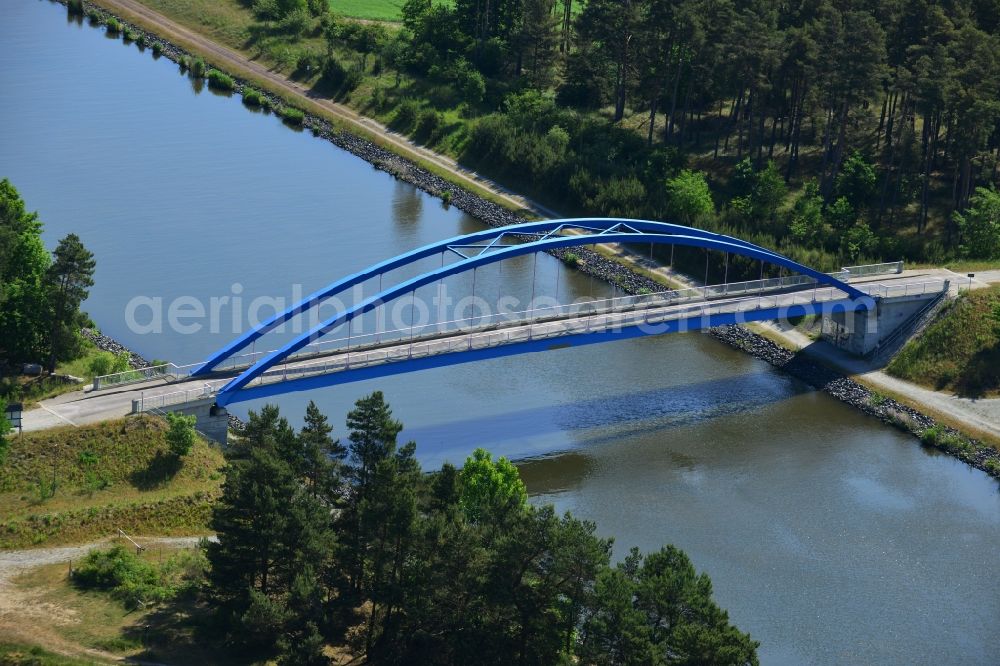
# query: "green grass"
[[31, 389], [960, 350], [19, 654], [68, 485], [162, 633], [377, 10]]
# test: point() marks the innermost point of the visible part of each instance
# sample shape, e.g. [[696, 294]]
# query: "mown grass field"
[[71, 485], [377, 10], [960, 350]]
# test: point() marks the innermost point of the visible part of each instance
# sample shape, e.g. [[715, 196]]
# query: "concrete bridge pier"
[[862, 332], [211, 420]]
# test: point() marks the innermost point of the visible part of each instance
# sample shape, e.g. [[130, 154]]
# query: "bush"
[[219, 80], [157, 48], [180, 436], [197, 67], [75, 7], [931, 436], [119, 571], [113, 26], [352, 80], [132, 580], [130, 35], [252, 96], [101, 364], [293, 116], [406, 115], [428, 125], [571, 259]]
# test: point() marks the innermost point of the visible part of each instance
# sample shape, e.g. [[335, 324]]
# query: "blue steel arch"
[[540, 228], [715, 242]]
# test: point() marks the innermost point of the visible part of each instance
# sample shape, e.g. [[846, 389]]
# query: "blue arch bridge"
[[344, 348]]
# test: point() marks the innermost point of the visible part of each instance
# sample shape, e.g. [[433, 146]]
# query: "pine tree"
[[69, 279], [269, 530]]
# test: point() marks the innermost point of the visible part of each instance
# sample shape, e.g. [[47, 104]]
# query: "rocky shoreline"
[[104, 343], [593, 263]]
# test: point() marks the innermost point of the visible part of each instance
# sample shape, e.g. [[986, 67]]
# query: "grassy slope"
[[960, 350], [145, 492]]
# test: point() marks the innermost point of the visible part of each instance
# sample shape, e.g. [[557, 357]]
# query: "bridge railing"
[[887, 268], [153, 402], [935, 286], [539, 327], [689, 294], [163, 371], [171, 371]]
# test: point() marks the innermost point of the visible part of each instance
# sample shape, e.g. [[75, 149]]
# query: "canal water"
[[830, 537]]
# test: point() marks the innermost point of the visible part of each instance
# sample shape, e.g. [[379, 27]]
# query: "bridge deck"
[[545, 329]]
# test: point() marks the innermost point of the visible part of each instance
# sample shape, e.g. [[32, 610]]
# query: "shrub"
[[571, 259], [75, 7], [184, 62], [406, 115], [180, 436], [197, 67], [292, 115], [130, 35], [993, 467], [219, 80], [113, 26], [94, 16], [101, 364], [252, 96], [446, 197], [122, 573], [157, 48], [428, 125], [931, 436], [141, 40]]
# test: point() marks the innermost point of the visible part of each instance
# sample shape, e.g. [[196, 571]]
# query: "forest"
[[838, 131]]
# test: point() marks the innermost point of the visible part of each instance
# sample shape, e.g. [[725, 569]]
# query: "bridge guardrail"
[[887, 268], [909, 289], [704, 293], [143, 374], [147, 403], [591, 322]]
